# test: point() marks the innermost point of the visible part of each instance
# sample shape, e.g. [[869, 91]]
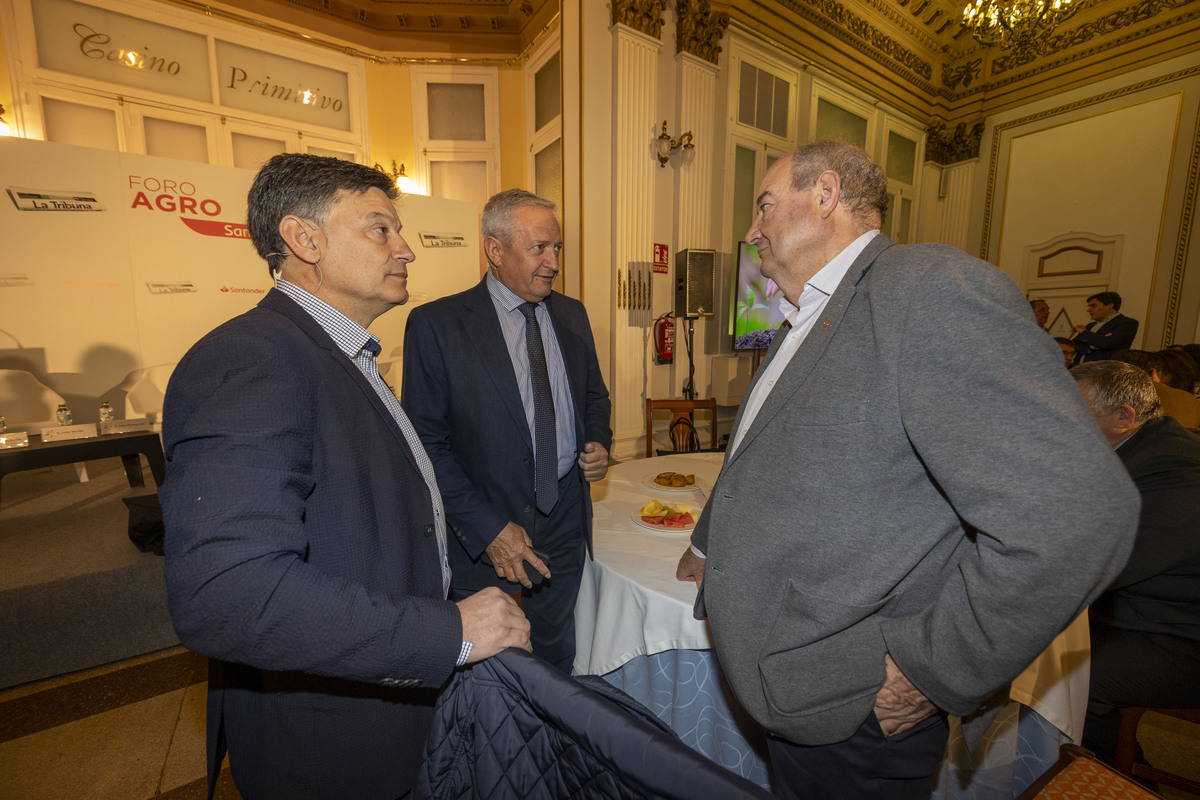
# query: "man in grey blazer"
[[898, 529]]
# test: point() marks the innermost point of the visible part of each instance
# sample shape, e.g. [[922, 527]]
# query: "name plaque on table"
[[126, 425], [14, 439], [63, 432]]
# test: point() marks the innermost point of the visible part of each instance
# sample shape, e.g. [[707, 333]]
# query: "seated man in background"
[[1146, 627], [1109, 330], [1179, 370], [1181, 405], [1068, 350]]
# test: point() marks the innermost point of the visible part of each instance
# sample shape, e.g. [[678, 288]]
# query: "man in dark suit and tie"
[[503, 385], [305, 536], [898, 528], [1109, 330]]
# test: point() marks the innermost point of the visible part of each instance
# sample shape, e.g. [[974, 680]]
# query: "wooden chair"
[[683, 436], [1123, 758], [1078, 774]]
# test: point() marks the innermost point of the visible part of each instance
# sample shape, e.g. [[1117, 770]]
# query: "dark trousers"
[[1136, 669], [867, 766], [550, 605]]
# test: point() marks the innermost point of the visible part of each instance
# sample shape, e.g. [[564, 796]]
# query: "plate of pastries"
[[673, 482]]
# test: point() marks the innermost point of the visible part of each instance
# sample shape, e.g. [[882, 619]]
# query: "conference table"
[[38, 454], [635, 627]]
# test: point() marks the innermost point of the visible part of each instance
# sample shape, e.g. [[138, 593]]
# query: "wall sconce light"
[[403, 182], [4, 129], [665, 145]]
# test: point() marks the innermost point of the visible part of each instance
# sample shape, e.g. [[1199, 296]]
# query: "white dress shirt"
[[802, 317]]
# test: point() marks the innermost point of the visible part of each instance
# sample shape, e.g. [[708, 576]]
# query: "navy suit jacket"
[[1116, 334], [300, 557], [460, 390]]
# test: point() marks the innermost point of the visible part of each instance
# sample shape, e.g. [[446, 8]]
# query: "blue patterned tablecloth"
[[685, 689]]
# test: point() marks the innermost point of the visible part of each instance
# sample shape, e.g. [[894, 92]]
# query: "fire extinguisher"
[[664, 339]]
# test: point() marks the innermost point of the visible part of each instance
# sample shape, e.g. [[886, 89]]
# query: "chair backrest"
[[1124, 756], [145, 397], [23, 398], [683, 436], [681, 410], [1078, 773]]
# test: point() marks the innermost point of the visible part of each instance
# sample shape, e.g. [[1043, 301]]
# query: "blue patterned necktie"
[[545, 440]]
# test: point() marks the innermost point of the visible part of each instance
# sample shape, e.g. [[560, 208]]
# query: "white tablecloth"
[[630, 603]]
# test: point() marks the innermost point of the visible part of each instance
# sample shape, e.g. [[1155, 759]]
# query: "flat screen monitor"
[[756, 314]]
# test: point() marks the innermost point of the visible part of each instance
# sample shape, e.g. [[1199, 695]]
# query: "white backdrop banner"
[[116, 262]]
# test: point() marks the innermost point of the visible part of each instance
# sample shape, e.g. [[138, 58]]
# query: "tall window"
[[896, 144], [543, 88], [456, 126], [901, 162]]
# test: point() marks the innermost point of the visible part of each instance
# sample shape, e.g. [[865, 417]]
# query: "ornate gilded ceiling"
[[429, 28], [913, 54], [916, 55]]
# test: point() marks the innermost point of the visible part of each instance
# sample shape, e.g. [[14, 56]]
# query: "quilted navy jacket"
[[514, 727]]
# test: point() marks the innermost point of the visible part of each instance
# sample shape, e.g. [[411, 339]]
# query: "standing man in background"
[[875, 553], [305, 537], [1109, 330], [504, 388], [1041, 312]]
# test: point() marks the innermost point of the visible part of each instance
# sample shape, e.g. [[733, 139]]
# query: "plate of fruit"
[[669, 517]]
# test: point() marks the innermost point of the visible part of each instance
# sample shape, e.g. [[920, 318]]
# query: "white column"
[[694, 218], [635, 85], [959, 182]]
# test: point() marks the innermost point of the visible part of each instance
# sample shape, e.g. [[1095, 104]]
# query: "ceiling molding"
[[941, 75], [912, 54]]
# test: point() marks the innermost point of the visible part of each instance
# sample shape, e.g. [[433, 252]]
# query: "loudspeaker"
[[695, 283]]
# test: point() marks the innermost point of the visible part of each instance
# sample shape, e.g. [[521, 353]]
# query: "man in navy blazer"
[[1109, 330], [468, 389], [898, 528], [305, 539]]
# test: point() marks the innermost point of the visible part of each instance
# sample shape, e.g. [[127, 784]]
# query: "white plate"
[[637, 518], [648, 480]]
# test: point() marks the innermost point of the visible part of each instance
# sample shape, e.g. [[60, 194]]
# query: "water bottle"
[[63, 415], [106, 411]]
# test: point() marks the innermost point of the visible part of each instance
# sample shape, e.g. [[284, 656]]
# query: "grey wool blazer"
[[910, 486]]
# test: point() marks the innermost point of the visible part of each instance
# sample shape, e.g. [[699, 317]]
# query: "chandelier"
[[1015, 24]]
